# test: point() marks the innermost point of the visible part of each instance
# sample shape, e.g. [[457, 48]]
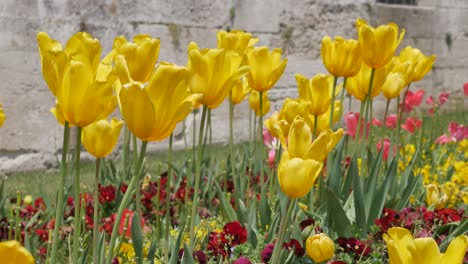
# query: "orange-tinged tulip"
[[239, 91], [266, 68], [254, 102], [214, 72], [317, 90], [100, 138], [358, 86], [152, 111], [11, 252], [341, 57], [377, 45], [320, 247], [141, 55], [2, 115], [420, 63], [296, 176], [404, 249]]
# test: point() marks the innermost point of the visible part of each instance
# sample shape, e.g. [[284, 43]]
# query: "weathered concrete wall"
[[31, 138]]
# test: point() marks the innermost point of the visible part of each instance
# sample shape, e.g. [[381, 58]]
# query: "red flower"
[[391, 121], [411, 124], [443, 97], [412, 100], [465, 88], [106, 194], [39, 204], [42, 251], [389, 219], [42, 234], [352, 122], [218, 245], [355, 246], [294, 244], [386, 147], [267, 253], [242, 260], [237, 233], [128, 214]]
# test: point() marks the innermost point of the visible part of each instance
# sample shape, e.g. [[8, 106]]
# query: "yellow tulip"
[[393, 85], [280, 123], [266, 67], [11, 252], [235, 40], [341, 57], [358, 86], [239, 91], [320, 247], [141, 55], [152, 111], [214, 72], [254, 102], [421, 64], [404, 249], [317, 90], [296, 176], [2, 115], [377, 45], [433, 196], [100, 138], [76, 77]]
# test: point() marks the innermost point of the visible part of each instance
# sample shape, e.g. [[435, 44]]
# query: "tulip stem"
[[77, 217], [386, 111], [168, 195], [135, 164], [197, 175], [125, 150], [332, 102], [261, 146], [357, 136], [343, 89], [61, 194], [368, 105], [231, 139], [125, 199], [96, 218], [276, 256]]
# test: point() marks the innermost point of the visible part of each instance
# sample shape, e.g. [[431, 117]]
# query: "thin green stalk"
[[135, 161], [357, 136], [209, 136], [276, 256], [61, 194], [77, 217], [125, 200], [96, 217], [332, 102], [342, 99], [386, 111], [197, 175], [168, 195], [17, 217], [369, 102], [314, 133], [125, 150], [231, 139], [261, 149]]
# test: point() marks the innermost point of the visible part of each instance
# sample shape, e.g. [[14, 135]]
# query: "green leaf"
[[379, 198], [225, 205], [336, 215], [334, 174], [371, 181], [462, 228], [175, 250], [152, 252], [137, 238], [85, 255], [359, 204], [265, 210], [188, 255]]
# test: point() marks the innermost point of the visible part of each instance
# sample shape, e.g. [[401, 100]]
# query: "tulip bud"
[[2, 116], [100, 137], [320, 247]]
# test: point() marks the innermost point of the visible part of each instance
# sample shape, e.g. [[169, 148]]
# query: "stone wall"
[[31, 138]]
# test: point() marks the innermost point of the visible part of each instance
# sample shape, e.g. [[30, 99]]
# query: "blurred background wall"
[[31, 138]]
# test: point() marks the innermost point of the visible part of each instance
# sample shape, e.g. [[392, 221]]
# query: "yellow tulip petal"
[[456, 250], [297, 176]]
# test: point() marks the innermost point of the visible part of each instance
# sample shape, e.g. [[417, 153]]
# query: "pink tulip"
[[458, 131], [465, 89], [386, 147], [376, 122], [272, 144], [351, 122], [411, 124], [128, 214], [391, 121], [443, 97], [412, 100]]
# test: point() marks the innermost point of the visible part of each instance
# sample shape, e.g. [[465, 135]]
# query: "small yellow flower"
[[28, 200]]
